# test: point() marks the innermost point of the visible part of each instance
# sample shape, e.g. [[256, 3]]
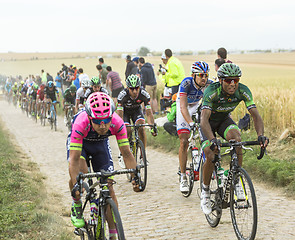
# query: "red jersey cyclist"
[[90, 133]]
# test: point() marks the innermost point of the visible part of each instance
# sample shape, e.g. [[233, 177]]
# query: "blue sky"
[[114, 25]]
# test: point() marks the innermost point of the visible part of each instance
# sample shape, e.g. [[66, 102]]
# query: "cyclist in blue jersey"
[[189, 95]]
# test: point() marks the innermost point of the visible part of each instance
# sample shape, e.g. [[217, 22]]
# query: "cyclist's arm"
[[127, 156], [258, 122], [184, 110], [77, 104], [150, 116], [74, 168], [205, 125]]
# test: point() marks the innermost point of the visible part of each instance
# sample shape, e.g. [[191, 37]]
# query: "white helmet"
[[85, 82]]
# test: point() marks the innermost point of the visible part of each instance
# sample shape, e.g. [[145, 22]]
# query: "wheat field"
[[270, 76]]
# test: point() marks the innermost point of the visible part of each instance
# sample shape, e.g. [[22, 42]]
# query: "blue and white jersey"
[[189, 88]]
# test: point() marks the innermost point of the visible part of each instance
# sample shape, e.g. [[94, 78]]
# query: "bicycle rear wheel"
[[103, 232], [140, 157], [214, 217], [243, 209]]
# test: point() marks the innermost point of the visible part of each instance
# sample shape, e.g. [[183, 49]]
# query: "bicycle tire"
[[55, 121], [141, 160], [133, 151], [51, 119], [214, 217], [189, 176], [117, 220], [244, 208]]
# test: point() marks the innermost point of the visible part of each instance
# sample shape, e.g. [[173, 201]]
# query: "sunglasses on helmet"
[[201, 75], [99, 121], [231, 80]]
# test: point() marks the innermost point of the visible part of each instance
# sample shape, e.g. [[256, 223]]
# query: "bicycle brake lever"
[[247, 148]]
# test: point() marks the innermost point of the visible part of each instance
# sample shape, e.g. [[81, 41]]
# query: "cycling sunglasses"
[[201, 75], [230, 80], [98, 121], [133, 88]]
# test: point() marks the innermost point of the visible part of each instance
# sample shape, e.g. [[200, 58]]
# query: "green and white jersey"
[[221, 104]]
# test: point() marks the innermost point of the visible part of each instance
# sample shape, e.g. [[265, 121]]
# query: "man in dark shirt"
[[130, 67], [149, 82]]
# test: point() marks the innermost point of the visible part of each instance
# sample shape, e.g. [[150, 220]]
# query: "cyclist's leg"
[[229, 130], [138, 118]]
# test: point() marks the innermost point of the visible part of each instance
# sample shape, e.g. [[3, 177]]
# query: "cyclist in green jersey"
[[221, 98]]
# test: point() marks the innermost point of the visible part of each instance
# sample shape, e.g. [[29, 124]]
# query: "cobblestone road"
[[160, 212]]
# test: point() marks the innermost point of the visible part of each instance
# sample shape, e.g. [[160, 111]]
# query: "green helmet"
[[133, 81], [36, 86], [95, 81], [73, 88], [229, 70]]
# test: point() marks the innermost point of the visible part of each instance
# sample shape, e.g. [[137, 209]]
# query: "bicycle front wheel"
[[140, 158], [190, 176], [103, 232], [214, 217], [243, 206]]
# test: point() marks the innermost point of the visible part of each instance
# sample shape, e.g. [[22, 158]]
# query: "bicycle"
[[70, 115], [224, 195], [138, 151], [98, 229], [52, 115], [42, 114], [193, 163]]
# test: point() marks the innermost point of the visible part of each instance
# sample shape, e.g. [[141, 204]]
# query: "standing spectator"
[[43, 77], [49, 77], [114, 83], [149, 82], [218, 63], [175, 71], [101, 63], [130, 67], [58, 82], [63, 75], [170, 126], [103, 75], [38, 80], [222, 53], [135, 60], [81, 77]]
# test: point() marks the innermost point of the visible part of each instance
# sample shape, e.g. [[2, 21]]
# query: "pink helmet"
[[99, 106]]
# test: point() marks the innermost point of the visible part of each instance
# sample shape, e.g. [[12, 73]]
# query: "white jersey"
[[80, 93]]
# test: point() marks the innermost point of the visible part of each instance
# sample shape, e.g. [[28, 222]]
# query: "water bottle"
[[195, 153], [220, 173]]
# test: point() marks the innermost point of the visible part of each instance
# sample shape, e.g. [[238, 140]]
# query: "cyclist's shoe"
[[240, 191], [206, 202], [184, 186], [121, 161], [76, 215]]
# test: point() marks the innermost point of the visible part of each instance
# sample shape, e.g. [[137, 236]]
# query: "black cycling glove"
[[214, 144], [262, 139]]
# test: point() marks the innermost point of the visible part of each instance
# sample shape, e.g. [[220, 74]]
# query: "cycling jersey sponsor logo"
[[145, 93], [225, 109], [212, 95], [81, 134], [246, 95], [138, 100]]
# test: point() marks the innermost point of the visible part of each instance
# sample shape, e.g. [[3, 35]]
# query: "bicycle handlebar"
[[246, 143]]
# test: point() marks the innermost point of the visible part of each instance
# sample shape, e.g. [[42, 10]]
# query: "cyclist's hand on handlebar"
[[154, 130], [214, 145], [192, 126], [76, 191], [135, 183], [263, 141]]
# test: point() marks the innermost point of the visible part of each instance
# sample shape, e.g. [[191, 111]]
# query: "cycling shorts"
[[69, 101], [100, 152], [182, 125], [221, 127], [134, 115]]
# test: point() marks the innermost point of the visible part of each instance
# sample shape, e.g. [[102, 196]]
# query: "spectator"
[[58, 82], [103, 76], [222, 53], [49, 77], [101, 63], [218, 63], [175, 71], [170, 126], [130, 67], [135, 60], [81, 77], [114, 83], [43, 77], [64, 74], [149, 82]]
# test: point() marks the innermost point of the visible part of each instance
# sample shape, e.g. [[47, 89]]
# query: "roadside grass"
[[25, 210], [277, 168]]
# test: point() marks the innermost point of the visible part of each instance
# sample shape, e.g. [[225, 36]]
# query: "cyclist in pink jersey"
[[89, 136]]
